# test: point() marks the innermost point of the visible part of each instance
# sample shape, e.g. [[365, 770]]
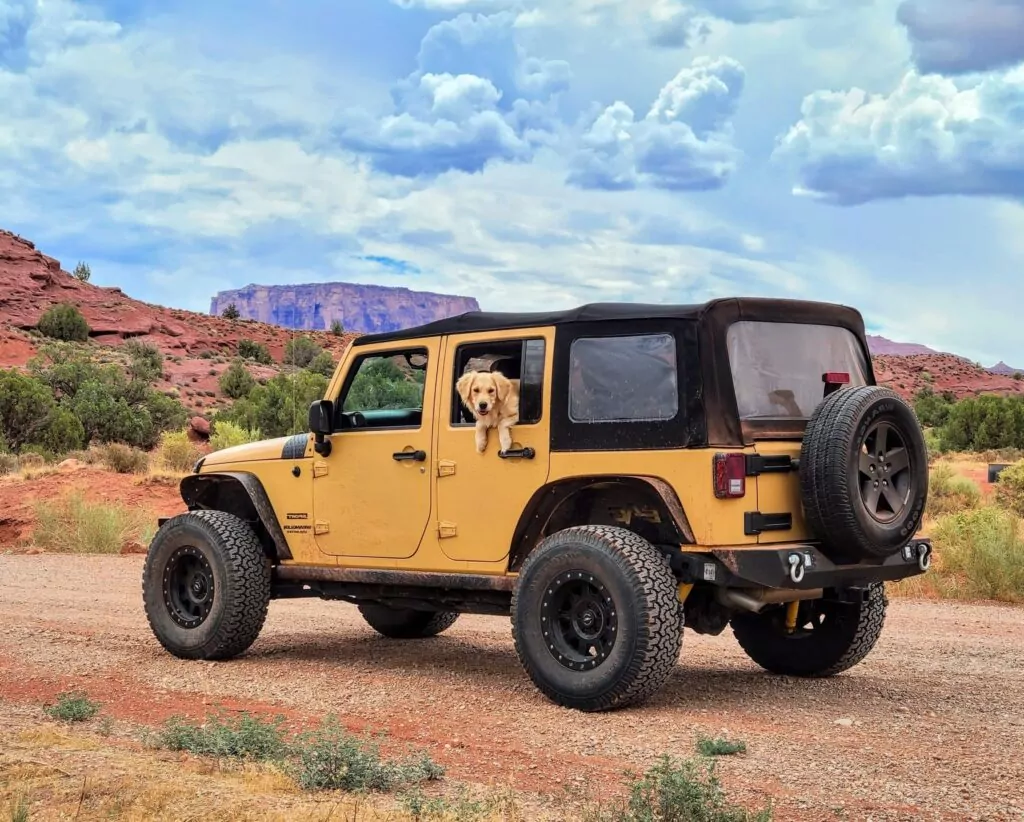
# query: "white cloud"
[[961, 37], [930, 136], [684, 142]]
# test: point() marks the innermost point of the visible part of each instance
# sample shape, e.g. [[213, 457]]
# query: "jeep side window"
[[521, 360], [385, 391], [623, 379]]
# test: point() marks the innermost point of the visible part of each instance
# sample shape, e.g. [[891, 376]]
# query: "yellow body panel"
[[480, 497], [779, 493], [241, 454], [688, 471]]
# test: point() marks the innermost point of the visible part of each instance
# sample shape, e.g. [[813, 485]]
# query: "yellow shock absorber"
[[792, 611], [684, 590]]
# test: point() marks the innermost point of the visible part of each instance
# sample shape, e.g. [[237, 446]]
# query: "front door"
[[480, 496], [371, 495]]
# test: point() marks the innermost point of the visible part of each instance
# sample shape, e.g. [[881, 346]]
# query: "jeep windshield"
[[777, 368]]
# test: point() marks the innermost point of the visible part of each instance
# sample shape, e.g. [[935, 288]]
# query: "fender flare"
[[196, 486]]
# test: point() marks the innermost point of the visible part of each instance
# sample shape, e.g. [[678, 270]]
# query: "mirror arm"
[[322, 445]]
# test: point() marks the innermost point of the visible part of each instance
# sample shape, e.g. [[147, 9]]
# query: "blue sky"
[[532, 153]]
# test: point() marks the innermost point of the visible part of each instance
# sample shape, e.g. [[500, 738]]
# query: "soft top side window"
[[623, 379], [520, 359], [384, 391]]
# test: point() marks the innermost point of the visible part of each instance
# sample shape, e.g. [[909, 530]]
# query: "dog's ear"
[[464, 386], [503, 385]]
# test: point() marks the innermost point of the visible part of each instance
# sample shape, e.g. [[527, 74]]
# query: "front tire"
[[206, 585], [596, 618], [830, 637], [406, 623]]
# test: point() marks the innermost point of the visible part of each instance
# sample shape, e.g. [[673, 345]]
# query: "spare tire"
[[863, 473]]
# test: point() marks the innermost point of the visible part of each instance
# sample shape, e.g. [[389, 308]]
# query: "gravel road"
[[929, 727]]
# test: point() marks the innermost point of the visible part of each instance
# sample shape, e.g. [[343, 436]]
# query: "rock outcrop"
[[362, 309]]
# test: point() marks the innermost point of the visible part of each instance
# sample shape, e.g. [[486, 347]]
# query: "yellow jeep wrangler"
[[726, 464]]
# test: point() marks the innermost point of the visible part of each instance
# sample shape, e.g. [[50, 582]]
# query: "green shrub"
[[72, 707], [323, 364], [245, 737], [146, 363], [177, 453], [124, 459], [331, 759], [677, 791], [337, 329], [72, 525], [948, 492], [1010, 489], [257, 352], [932, 409], [29, 416], [279, 408], [708, 746], [985, 422], [82, 272], [231, 312], [300, 351], [64, 322], [933, 443], [227, 434], [108, 416], [981, 554], [236, 382]]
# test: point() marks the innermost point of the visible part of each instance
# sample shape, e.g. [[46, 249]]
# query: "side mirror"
[[321, 423]]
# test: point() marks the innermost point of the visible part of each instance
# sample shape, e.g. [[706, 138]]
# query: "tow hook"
[[796, 568], [924, 556]]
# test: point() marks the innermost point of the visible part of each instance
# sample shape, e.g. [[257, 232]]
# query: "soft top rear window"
[[777, 368]]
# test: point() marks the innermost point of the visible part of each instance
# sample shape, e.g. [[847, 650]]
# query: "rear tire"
[[841, 636], [406, 623], [206, 585], [596, 618]]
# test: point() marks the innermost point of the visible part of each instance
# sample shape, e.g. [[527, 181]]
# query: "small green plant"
[[257, 352], [72, 525], [246, 737], [227, 434], [19, 809], [332, 759], [1010, 489], [231, 312], [72, 707], [708, 746], [177, 453], [146, 362], [236, 382], [300, 351], [82, 272], [123, 459], [64, 322], [337, 329], [948, 492], [677, 791]]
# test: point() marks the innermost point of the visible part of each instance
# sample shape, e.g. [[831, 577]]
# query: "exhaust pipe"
[[756, 599]]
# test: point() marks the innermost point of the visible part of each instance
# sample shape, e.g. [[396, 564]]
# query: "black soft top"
[[722, 311]]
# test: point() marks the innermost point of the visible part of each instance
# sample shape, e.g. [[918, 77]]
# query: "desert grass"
[[70, 524]]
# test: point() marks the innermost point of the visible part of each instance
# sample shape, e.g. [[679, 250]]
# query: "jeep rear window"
[[777, 368], [623, 379]]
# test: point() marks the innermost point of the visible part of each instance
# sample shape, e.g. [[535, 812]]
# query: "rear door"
[[778, 375]]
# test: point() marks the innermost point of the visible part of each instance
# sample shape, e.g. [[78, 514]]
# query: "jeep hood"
[[252, 452]]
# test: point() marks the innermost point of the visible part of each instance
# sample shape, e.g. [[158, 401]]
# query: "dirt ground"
[[930, 726]]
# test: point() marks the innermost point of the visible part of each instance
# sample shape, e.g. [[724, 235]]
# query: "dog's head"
[[483, 391]]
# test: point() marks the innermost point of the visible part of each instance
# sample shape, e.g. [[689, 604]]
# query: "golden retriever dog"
[[493, 400]]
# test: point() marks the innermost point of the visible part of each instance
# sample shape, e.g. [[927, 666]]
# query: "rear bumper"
[[800, 566]]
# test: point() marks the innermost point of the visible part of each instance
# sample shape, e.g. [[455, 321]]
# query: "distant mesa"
[[1006, 370], [880, 345], [361, 309]]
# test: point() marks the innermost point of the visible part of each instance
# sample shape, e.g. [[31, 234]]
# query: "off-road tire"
[[241, 574], [847, 636], [830, 480], [649, 617], [406, 623]]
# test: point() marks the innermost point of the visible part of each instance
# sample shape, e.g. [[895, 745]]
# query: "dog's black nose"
[[483, 406]]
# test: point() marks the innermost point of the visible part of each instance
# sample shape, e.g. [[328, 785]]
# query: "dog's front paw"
[[481, 444]]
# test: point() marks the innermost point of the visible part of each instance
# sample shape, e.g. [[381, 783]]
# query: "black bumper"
[[800, 566]]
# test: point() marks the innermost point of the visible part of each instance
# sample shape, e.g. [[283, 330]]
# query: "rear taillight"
[[730, 475], [836, 377]]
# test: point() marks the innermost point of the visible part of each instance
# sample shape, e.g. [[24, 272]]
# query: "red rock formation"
[[363, 309], [880, 345]]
